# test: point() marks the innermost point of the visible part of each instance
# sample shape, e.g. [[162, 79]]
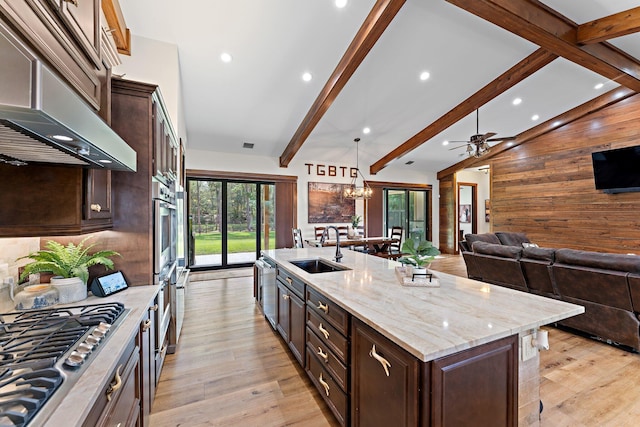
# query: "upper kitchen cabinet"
[[165, 144], [66, 35], [54, 200]]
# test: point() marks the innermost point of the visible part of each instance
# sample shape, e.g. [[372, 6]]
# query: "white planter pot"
[[419, 270], [70, 289]]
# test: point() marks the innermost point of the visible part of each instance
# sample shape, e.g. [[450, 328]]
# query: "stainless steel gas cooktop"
[[44, 352]]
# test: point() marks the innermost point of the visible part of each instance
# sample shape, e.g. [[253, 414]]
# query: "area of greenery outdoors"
[[205, 216], [238, 241]]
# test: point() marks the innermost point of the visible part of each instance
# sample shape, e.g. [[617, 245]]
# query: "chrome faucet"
[[325, 234]]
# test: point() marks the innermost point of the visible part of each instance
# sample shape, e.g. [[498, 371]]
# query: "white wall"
[[211, 160], [156, 62]]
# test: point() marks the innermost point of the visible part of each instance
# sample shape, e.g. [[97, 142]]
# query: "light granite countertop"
[[427, 322], [78, 402]]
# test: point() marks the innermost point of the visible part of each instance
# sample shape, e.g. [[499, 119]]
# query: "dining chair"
[[394, 250], [297, 238], [319, 230], [343, 230]]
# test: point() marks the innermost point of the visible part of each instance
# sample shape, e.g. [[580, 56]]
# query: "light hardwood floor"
[[231, 369]]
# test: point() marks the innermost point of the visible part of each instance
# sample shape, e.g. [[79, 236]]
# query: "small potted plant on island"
[[355, 221], [69, 265], [418, 255]]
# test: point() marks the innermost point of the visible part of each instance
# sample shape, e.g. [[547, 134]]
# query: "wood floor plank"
[[232, 369]]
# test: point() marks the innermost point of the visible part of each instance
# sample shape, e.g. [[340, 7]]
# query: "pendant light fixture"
[[355, 191]]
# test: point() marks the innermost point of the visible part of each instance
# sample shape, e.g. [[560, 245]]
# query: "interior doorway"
[[467, 208]]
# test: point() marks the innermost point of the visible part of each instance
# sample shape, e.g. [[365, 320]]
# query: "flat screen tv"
[[617, 171]]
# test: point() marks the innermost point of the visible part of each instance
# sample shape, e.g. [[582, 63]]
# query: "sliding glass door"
[[407, 209], [230, 222]]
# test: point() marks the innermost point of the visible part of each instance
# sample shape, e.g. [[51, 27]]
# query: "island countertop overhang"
[[427, 322]]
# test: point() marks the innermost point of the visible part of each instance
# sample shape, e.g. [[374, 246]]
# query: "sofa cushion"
[[512, 239], [605, 261], [497, 250], [541, 254], [486, 237]]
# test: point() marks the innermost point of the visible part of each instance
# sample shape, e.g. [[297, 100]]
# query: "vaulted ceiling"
[[366, 60]]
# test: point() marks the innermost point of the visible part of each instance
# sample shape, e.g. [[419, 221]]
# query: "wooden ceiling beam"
[[595, 104], [548, 29], [609, 27], [374, 25], [505, 81]]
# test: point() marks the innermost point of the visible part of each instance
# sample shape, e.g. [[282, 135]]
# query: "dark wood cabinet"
[[119, 401], [147, 346], [132, 117], [54, 201], [327, 343], [385, 381], [66, 37], [291, 313], [165, 144], [477, 387]]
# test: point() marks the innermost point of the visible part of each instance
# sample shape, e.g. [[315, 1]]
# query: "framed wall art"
[[465, 213], [327, 204]]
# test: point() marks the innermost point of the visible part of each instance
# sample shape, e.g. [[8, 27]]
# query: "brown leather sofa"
[[607, 285]]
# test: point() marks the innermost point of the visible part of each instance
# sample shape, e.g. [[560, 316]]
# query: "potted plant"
[[69, 265], [355, 220], [419, 255]]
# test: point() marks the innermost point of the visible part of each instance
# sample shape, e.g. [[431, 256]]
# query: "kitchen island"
[[455, 345]]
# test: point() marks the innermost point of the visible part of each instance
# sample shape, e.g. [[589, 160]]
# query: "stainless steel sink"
[[317, 265]]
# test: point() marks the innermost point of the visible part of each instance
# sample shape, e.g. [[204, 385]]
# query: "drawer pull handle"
[[325, 356], [117, 383], [146, 325], [73, 2], [324, 331], [154, 308], [324, 384], [384, 362], [96, 207], [289, 280], [286, 297], [323, 307]]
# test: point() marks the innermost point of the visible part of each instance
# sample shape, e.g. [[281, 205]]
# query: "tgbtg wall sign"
[[331, 170]]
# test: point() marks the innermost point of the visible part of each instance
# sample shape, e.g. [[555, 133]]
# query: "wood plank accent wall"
[[448, 214], [545, 188]]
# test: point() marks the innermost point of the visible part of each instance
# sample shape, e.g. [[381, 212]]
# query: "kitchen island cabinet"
[[431, 341], [291, 313]]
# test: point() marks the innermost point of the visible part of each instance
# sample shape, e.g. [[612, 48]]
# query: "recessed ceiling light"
[[307, 77], [517, 101], [535, 117], [445, 142], [366, 130], [556, 123], [225, 57], [424, 75], [341, 3], [63, 138], [598, 86]]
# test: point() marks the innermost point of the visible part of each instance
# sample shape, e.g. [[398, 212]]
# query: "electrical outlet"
[[527, 350]]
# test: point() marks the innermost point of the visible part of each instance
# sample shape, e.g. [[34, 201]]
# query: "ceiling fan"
[[478, 144]]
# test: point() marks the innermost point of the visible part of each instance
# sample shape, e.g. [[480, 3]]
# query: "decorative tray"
[[407, 278]]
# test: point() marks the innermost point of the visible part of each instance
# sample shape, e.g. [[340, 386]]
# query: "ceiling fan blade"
[[488, 135], [459, 142], [506, 138], [459, 146]]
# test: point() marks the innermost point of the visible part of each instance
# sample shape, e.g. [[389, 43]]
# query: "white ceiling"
[[260, 97]]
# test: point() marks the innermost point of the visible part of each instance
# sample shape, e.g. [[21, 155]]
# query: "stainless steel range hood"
[[43, 121]]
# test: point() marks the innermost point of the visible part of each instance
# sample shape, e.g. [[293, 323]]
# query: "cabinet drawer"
[[327, 359], [335, 398], [329, 335], [292, 283], [329, 310]]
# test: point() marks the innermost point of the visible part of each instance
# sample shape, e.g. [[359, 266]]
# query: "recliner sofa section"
[[607, 285]]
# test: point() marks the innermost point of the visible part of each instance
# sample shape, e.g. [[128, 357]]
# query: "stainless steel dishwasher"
[[266, 292]]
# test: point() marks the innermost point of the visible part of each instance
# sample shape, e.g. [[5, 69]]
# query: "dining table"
[[373, 245]]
